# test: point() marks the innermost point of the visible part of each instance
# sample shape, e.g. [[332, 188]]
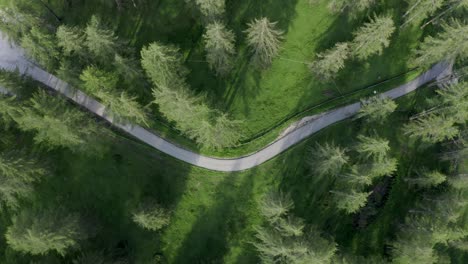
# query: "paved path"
[[11, 57]]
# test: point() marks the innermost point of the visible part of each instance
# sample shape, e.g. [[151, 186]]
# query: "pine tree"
[[41, 232], [17, 176], [220, 47], [328, 159], [264, 40], [95, 80], [275, 205], [376, 109], [41, 46], [151, 216], [373, 37], [420, 9], [100, 41], [351, 201], [372, 147], [123, 107], [338, 6], [163, 64], [427, 179], [70, 39], [211, 9], [455, 99], [432, 128], [449, 45], [330, 62]]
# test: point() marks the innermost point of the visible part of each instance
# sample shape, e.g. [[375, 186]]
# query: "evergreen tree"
[[427, 179], [275, 205], [376, 108], [449, 45], [328, 159], [163, 64], [330, 62], [264, 40], [100, 41], [420, 9], [351, 201], [96, 80], [338, 6], [211, 9], [39, 233], [123, 107], [220, 47], [372, 147], [151, 216], [459, 181], [373, 37], [455, 99], [41, 46], [70, 39], [432, 128], [379, 168], [17, 176]]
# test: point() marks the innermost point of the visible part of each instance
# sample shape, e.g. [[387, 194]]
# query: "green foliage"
[[17, 176], [123, 107], [379, 168], [211, 9], [373, 37], [95, 80], [350, 202], [41, 232], [338, 6], [284, 240], [427, 179], [100, 41], [264, 40], [372, 147], [275, 205], [151, 217], [330, 62], [70, 39], [376, 109], [459, 181], [328, 159], [432, 128], [163, 65], [41, 46], [220, 47], [420, 9], [455, 98], [449, 45]]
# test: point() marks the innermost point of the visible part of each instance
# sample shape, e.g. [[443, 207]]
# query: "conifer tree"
[[17, 176], [219, 45], [264, 40], [373, 37], [70, 39], [351, 201], [151, 216], [328, 159], [163, 65], [432, 128], [41, 232], [372, 147], [101, 42], [330, 62], [449, 45], [376, 109]]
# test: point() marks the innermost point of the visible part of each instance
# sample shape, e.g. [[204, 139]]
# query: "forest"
[[223, 80]]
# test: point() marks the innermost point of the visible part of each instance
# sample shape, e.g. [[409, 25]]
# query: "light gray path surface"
[[12, 57]]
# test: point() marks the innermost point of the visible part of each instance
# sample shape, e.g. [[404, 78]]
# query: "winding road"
[[12, 58]]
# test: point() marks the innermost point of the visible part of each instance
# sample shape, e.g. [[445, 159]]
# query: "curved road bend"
[[12, 57]]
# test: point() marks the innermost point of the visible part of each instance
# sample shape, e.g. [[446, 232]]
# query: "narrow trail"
[[12, 58]]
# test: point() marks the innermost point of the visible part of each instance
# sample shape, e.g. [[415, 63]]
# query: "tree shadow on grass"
[[217, 227], [106, 190]]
